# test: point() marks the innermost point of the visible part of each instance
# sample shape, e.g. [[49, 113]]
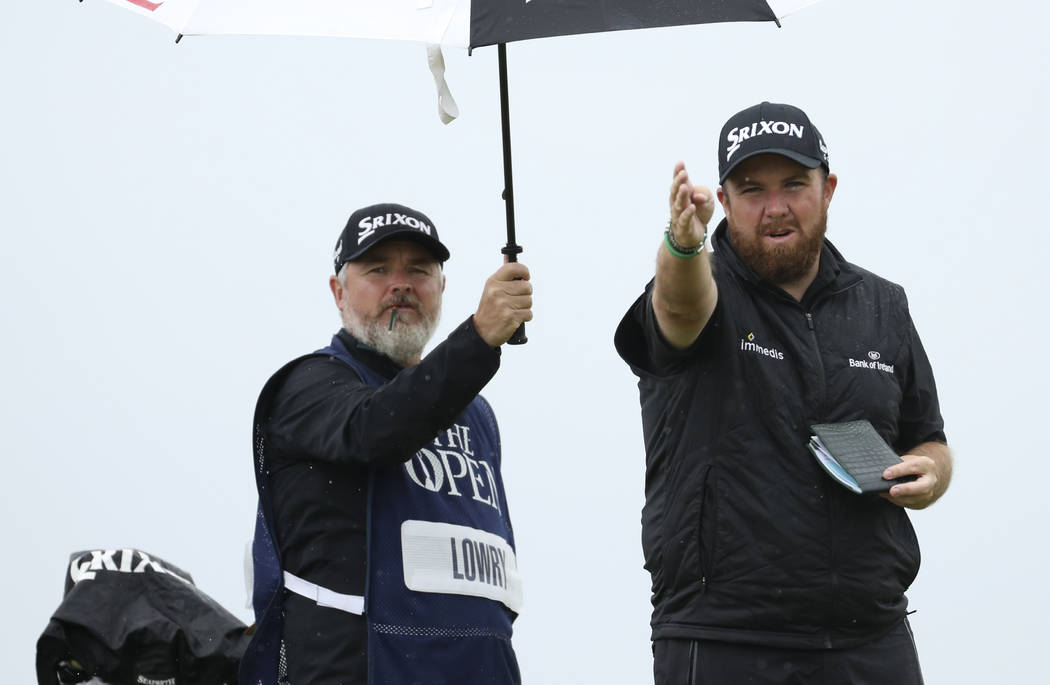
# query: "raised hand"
[[691, 208], [506, 303]]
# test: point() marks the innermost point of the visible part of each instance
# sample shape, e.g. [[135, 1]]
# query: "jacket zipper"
[[820, 365], [832, 539], [702, 557], [807, 313]]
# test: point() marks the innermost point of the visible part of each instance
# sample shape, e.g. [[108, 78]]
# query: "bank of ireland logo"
[[872, 363]]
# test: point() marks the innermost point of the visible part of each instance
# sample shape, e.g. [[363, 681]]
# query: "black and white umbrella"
[[465, 24], [452, 23]]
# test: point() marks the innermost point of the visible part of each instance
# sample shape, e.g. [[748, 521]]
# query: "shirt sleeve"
[[920, 409], [324, 411], [640, 343]]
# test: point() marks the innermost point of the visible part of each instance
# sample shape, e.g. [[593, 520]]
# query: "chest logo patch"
[[748, 344], [449, 465], [872, 362]]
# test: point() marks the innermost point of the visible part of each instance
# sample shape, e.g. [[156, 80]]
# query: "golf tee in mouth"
[[393, 316]]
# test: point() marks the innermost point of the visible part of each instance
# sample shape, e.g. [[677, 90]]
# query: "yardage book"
[[854, 455]]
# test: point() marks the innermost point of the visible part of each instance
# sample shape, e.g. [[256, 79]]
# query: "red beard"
[[781, 264]]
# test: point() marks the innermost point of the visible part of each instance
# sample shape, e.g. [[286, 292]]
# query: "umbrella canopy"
[[451, 23]]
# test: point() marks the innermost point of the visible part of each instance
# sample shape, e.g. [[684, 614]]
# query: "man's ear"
[[723, 199], [442, 281], [830, 183], [337, 290]]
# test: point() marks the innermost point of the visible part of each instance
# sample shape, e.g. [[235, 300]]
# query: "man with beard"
[[383, 550], [764, 569]]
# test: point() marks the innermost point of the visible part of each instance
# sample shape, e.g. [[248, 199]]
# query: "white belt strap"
[[352, 604]]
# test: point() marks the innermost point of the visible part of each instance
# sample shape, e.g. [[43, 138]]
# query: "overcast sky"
[[168, 215]]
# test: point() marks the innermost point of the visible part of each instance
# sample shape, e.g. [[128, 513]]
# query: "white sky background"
[[167, 215]]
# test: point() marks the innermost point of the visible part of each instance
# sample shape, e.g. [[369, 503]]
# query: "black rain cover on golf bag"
[[130, 618]]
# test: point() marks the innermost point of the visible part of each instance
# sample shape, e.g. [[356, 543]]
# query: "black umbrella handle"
[[511, 249], [512, 252]]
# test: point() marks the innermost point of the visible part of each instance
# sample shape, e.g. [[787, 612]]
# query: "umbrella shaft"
[[512, 249]]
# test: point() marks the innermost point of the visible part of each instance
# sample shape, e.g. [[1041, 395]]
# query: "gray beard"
[[404, 344]]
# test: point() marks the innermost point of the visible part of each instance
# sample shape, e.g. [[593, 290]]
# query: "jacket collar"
[[369, 356], [834, 273]]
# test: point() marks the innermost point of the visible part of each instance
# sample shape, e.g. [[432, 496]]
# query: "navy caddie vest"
[[442, 585]]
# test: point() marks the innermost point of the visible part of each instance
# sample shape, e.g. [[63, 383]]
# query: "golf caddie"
[[384, 553]]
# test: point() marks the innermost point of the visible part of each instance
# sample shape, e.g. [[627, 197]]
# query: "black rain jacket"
[[745, 537]]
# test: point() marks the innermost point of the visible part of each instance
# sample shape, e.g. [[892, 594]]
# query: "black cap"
[[371, 225], [770, 127]]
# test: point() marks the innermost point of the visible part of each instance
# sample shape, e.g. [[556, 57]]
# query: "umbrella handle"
[[512, 251], [519, 337]]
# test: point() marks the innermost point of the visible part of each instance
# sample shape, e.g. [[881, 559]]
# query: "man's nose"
[[776, 204], [400, 282]]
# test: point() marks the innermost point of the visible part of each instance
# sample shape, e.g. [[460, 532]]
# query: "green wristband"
[[677, 250]]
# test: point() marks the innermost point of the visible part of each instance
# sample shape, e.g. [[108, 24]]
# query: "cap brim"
[[804, 160], [434, 245]]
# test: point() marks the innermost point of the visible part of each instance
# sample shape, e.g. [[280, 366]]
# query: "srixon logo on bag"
[[85, 566], [143, 680]]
